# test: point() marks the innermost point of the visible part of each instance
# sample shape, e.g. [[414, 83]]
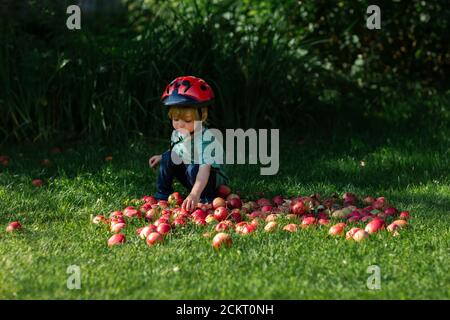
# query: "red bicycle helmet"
[[188, 91]]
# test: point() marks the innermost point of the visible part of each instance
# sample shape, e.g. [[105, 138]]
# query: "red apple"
[[266, 209], [298, 207], [234, 203], [336, 230], [401, 223], [374, 226], [37, 182], [149, 199], [131, 212], [278, 200], [263, 202], [324, 222], [116, 239], [222, 240], [223, 226], [391, 211], [163, 228], [236, 215], [145, 232], [220, 213], [292, 227], [349, 235], [13, 226], [404, 215], [163, 204], [200, 222], [223, 191], [272, 217], [117, 227], [154, 238], [308, 222], [152, 214]]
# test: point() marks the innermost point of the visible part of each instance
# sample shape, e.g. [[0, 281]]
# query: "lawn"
[[412, 173]]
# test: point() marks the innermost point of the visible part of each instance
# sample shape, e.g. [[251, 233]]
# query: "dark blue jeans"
[[186, 174]]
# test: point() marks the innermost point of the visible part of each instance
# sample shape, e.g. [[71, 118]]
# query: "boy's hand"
[[190, 202], [154, 160]]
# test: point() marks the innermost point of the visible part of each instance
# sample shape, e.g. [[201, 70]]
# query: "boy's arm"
[[200, 183]]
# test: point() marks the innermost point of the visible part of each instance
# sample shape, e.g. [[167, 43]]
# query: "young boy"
[[188, 99]]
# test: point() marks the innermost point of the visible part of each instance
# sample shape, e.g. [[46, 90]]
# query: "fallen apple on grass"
[[164, 228], [146, 231], [360, 235], [117, 239], [37, 183], [154, 238], [271, 226], [221, 213], [375, 226], [292, 227], [117, 227], [222, 240], [13, 226]]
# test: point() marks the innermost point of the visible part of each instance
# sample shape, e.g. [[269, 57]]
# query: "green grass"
[[411, 173]]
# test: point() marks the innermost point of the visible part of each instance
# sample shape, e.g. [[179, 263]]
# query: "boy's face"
[[186, 124], [184, 120]]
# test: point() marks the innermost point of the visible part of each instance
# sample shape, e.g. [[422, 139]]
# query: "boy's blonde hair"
[[188, 112]]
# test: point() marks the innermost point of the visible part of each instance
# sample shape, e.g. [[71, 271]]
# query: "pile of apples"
[[355, 218]]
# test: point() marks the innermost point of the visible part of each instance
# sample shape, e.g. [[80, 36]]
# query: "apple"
[[379, 203], [116, 239], [401, 223], [374, 226], [266, 209], [222, 240], [175, 199], [249, 206], [308, 222], [349, 199], [298, 207], [162, 219], [218, 202], [163, 204], [324, 222], [37, 182], [239, 227], [149, 199], [360, 235], [391, 211], [236, 215], [145, 232], [200, 222], [131, 212], [292, 227], [223, 226], [13, 226], [178, 222], [220, 213], [163, 228], [292, 216], [272, 217], [404, 215], [210, 218], [353, 219], [98, 218], [207, 234], [116, 214], [368, 200], [278, 200], [223, 191], [154, 238], [350, 233], [234, 203], [117, 227], [232, 196], [199, 214], [255, 214], [152, 214], [336, 230], [366, 218], [271, 226], [263, 202], [145, 208], [392, 227]]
